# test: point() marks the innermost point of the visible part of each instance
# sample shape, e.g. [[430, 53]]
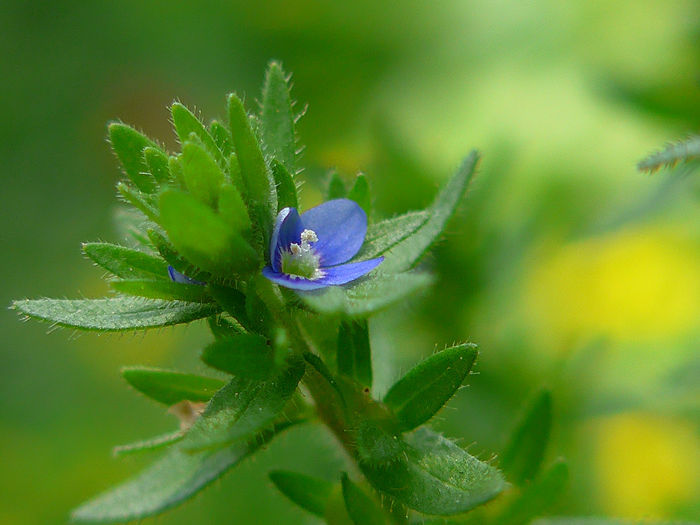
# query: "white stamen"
[[308, 236], [295, 249]]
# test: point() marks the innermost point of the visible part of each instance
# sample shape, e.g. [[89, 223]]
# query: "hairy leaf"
[[277, 118], [286, 189], [367, 296], [425, 389], [244, 407], [186, 122], [382, 236], [435, 476], [259, 186], [362, 508], [162, 290], [138, 200], [406, 253], [522, 456], [222, 137], [129, 144], [157, 162], [114, 314], [169, 387], [672, 154], [308, 492], [354, 353], [203, 237], [203, 177], [148, 445], [126, 262], [245, 355], [360, 194]]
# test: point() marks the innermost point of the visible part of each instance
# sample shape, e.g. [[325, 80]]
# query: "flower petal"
[[288, 228], [333, 276], [340, 225], [181, 278]]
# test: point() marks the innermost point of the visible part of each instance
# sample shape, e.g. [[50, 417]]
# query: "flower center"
[[300, 260]]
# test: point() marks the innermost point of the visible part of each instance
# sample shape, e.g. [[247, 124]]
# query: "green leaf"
[[232, 209], [138, 200], [222, 137], [169, 253], [244, 407], [363, 509], [245, 355], [406, 253], [129, 144], [175, 167], [681, 151], [203, 177], [157, 163], [232, 301], [360, 194], [308, 492], [125, 262], [367, 296], [114, 314], [171, 480], [203, 237], [259, 186], [536, 497], [186, 122], [148, 445], [336, 187], [277, 118], [162, 290], [435, 476], [522, 456], [354, 352], [286, 189], [382, 236], [169, 387], [425, 389]]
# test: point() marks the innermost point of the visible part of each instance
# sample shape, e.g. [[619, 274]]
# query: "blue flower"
[[181, 278], [307, 252]]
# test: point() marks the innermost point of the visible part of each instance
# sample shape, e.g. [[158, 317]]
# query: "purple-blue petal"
[[341, 225], [181, 278], [288, 228], [333, 276]]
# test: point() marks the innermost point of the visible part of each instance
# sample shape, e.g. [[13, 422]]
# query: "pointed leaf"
[[245, 355], [354, 353], [115, 314], [162, 290], [232, 301], [360, 193], [286, 189], [174, 259], [277, 118], [367, 296], [125, 262], [536, 497], [171, 480], [203, 177], [336, 187], [435, 476], [382, 236], [148, 445], [245, 407], [406, 253], [362, 508], [129, 144], [186, 122], [138, 200], [425, 389], [308, 492], [157, 163], [222, 137], [203, 237], [232, 209], [259, 187], [169, 387], [523, 455]]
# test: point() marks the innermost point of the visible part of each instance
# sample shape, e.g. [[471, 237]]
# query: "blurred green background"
[[566, 266]]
